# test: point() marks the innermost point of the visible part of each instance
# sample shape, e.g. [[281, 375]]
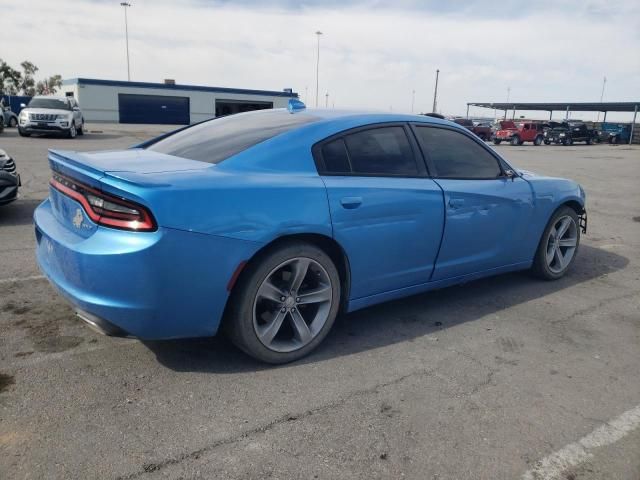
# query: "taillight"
[[105, 209]]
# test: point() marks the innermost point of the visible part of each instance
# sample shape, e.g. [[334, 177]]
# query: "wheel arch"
[[325, 243]]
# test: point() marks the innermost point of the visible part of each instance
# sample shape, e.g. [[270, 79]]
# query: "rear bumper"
[[152, 285], [9, 185]]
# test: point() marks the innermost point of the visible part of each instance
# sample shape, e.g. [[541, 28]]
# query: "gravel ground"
[[497, 379]]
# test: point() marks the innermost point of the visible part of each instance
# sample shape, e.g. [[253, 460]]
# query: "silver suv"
[[46, 114]]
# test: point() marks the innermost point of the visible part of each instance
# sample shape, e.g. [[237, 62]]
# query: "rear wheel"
[[13, 122], [496, 141], [613, 139], [558, 246], [285, 303], [567, 142], [538, 140], [81, 129]]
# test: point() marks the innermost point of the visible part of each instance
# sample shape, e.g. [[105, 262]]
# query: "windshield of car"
[[56, 103], [216, 140]]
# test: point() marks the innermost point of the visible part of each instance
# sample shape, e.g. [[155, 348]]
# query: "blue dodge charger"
[[269, 224]]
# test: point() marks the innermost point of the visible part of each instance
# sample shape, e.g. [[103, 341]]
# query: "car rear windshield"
[[49, 103], [221, 138]]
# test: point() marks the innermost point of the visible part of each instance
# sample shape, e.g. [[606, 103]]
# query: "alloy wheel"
[[292, 304], [561, 244]]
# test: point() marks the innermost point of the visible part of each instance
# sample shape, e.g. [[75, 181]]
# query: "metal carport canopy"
[[561, 106], [567, 107]]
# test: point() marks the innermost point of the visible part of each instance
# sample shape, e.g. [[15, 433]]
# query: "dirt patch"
[[57, 343], [6, 381], [13, 307]]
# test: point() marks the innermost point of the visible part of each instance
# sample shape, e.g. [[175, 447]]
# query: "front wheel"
[[558, 246], [13, 122], [285, 303], [72, 131], [538, 141], [567, 142], [23, 133], [515, 141], [496, 141]]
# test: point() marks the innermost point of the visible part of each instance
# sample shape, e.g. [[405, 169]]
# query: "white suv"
[[46, 114]]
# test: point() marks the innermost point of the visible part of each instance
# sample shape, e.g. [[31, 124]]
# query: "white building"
[[165, 103]]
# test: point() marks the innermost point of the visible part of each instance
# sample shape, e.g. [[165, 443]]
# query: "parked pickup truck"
[[483, 132], [569, 132], [520, 133], [614, 133]]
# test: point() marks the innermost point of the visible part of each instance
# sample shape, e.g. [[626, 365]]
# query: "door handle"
[[351, 202], [456, 202]]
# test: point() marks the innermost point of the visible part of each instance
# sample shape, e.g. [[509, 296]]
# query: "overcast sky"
[[373, 54]]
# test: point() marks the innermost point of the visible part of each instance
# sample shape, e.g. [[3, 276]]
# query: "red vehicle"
[[483, 132], [520, 133]]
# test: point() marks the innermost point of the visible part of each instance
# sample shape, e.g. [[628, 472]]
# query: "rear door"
[[386, 213], [487, 213]]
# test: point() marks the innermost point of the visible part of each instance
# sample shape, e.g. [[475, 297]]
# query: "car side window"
[[335, 156], [454, 155], [381, 151]]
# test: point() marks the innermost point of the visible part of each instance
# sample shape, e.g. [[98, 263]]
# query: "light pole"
[[125, 5], [604, 82], [413, 99], [507, 106], [326, 100], [435, 92], [318, 33]]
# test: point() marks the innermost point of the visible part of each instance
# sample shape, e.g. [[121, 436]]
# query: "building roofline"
[[164, 86]]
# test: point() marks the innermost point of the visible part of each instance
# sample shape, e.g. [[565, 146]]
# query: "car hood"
[[48, 111]]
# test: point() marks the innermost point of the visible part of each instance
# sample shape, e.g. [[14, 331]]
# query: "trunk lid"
[[131, 169]]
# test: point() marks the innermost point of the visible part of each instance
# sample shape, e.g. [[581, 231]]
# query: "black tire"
[[22, 133], [72, 132], [547, 142], [239, 317], [540, 268], [13, 122], [589, 141], [515, 140], [538, 141], [567, 142], [613, 140], [482, 137], [496, 141], [80, 130]]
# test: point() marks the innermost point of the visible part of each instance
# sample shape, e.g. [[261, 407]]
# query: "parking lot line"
[[21, 279], [553, 466]]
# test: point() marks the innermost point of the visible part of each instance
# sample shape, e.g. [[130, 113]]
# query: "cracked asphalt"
[[479, 381]]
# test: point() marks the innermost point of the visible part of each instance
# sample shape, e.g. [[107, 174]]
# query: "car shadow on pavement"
[[19, 212], [396, 321]]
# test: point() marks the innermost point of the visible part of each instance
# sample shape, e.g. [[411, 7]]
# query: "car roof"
[[368, 116], [52, 97]]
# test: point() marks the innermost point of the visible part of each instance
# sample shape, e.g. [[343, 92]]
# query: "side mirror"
[[22, 105], [510, 174]]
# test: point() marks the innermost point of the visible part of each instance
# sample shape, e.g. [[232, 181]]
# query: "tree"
[[10, 79], [28, 85], [48, 86]]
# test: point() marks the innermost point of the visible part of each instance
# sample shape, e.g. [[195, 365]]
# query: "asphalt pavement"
[[502, 378]]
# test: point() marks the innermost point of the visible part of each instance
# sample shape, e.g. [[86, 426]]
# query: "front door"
[[487, 212]]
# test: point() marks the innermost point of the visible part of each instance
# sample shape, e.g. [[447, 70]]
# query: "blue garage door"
[[156, 109]]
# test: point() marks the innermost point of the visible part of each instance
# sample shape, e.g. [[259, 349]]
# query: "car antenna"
[[295, 105]]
